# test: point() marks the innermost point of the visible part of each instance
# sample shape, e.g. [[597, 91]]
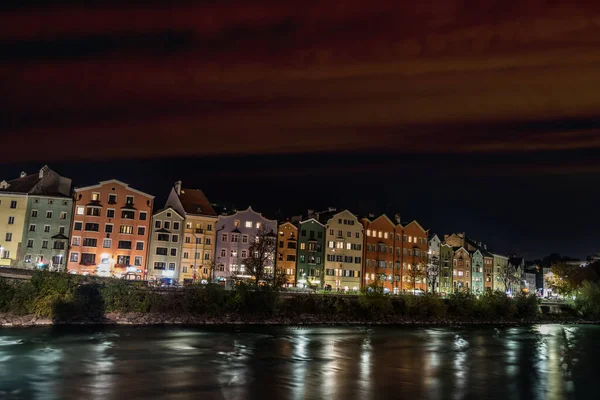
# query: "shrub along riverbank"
[[63, 298]]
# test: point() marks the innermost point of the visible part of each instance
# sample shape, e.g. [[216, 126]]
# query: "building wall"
[[48, 216], [107, 259], [198, 248], [382, 253], [414, 256], [477, 274], [500, 263], [434, 257], [166, 233], [461, 270], [343, 254], [287, 247], [488, 265], [311, 254], [12, 221], [446, 268], [230, 254]]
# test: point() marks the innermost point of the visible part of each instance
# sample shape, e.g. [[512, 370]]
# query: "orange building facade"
[[287, 245], [414, 257], [382, 254], [110, 231]]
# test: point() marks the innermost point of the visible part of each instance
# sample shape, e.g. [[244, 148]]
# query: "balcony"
[[199, 230]]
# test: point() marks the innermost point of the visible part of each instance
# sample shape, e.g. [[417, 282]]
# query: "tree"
[[433, 271], [259, 263], [566, 279], [506, 275], [416, 271]]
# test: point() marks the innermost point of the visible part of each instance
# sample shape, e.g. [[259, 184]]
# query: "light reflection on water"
[[537, 362]]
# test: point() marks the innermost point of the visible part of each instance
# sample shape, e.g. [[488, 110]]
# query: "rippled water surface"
[[534, 362]]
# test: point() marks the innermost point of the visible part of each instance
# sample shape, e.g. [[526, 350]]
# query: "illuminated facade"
[[35, 219], [287, 247], [235, 233], [343, 262], [414, 257], [477, 266], [110, 231], [199, 235], [461, 270], [446, 269], [311, 254], [382, 252], [433, 255], [164, 252]]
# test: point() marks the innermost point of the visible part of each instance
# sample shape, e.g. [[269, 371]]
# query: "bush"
[[426, 307], [494, 306], [374, 305], [526, 306], [461, 305], [587, 302]]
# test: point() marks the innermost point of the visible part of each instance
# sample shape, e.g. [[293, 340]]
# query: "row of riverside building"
[[112, 229]]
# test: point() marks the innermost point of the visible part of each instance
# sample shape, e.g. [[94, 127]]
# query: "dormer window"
[[112, 199], [95, 196], [3, 185], [129, 200]]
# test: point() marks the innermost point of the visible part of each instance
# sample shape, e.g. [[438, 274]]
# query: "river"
[[529, 362]]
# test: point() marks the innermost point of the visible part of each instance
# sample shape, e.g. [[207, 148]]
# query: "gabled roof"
[[60, 236], [169, 208], [289, 223], [194, 201], [415, 222], [313, 220], [115, 181], [22, 185]]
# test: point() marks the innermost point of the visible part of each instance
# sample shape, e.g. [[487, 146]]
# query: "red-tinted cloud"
[[245, 77]]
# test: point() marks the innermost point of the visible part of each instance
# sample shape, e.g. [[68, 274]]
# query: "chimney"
[[397, 217], [332, 209], [462, 235], [23, 174], [485, 246], [178, 188]]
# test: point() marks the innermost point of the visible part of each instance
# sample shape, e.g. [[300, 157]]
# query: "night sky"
[[472, 117]]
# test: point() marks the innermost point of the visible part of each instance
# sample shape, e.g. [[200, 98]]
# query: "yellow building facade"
[[13, 209], [200, 220]]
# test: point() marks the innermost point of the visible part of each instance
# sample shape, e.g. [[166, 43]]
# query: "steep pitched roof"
[[195, 202], [22, 185]]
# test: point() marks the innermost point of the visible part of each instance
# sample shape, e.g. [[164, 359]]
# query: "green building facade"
[[311, 253], [446, 256], [477, 285]]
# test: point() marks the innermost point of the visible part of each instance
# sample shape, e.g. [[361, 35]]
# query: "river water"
[[530, 362]]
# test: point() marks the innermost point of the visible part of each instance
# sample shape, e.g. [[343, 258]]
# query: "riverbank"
[[8, 320], [59, 299]]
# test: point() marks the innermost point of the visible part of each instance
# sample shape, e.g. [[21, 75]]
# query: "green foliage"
[[526, 305], [375, 304], [123, 296], [494, 306], [461, 305], [426, 307], [588, 301]]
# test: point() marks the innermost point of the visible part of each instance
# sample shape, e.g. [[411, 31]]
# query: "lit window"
[[80, 210], [248, 224]]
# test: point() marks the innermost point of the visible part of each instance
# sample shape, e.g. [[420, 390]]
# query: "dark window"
[[291, 245], [124, 244], [112, 199], [139, 246], [161, 251], [127, 214], [88, 259], [176, 226], [108, 228], [110, 213], [290, 257], [173, 252], [320, 235], [89, 242], [93, 211], [281, 243], [167, 225], [163, 237], [159, 265], [13, 204], [303, 233], [143, 216], [77, 226], [92, 227], [59, 245], [141, 230], [175, 238]]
